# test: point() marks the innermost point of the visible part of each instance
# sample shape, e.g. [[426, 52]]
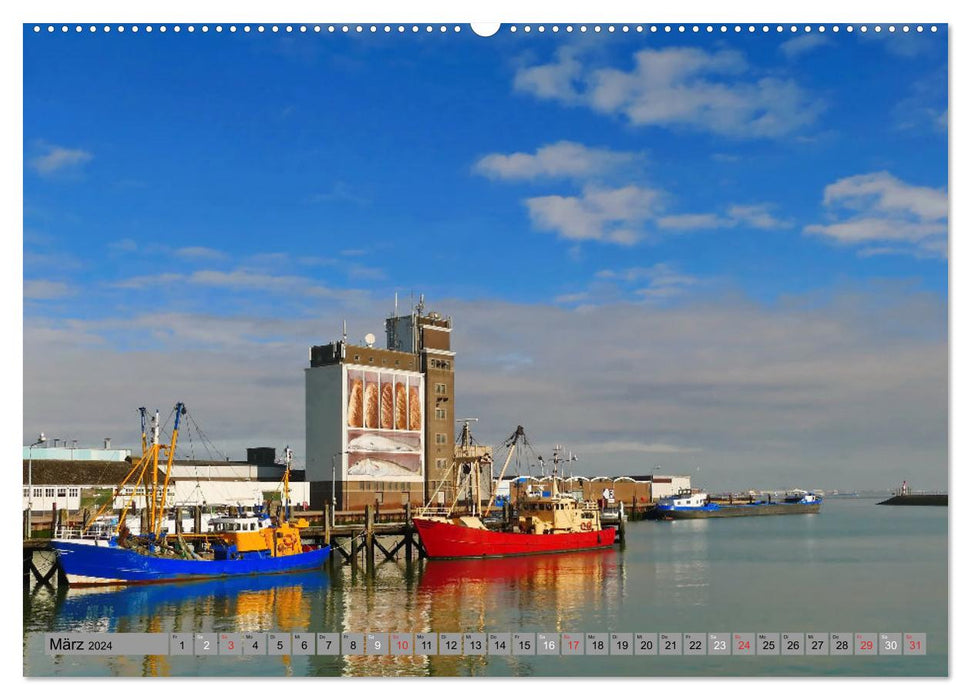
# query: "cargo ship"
[[238, 545], [693, 506], [547, 523]]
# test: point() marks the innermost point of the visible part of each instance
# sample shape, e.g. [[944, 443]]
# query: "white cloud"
[[803, 44], [602, 213], [658, 282], [46, 289], [365, 272], [200, 253], [240, 280], [146, 281], [679, 87], [631, 447], [125, 245], [554, 80], [754, 215], [757, 216], [607, 215], [685, 222], [850, 392], [880, 208], [561, 159], [57, 159]]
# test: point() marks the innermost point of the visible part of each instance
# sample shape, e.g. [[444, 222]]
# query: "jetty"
[[916, 499]]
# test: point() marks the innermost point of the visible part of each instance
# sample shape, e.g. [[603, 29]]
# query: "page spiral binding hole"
[[512, 28]]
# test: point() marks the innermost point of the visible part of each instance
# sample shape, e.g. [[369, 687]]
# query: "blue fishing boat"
[[84, 564], [692, 506], [237, 545]]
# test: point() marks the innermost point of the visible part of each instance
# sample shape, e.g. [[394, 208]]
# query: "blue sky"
[[235, 195]]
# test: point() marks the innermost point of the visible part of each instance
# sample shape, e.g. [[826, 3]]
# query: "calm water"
[[855, 567]]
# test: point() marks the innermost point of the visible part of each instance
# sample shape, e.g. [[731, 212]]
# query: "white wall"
[[246, 493], [218, 471], [324, 387]]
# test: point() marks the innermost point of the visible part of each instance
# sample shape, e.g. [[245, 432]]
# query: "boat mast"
[[144, 416], [151, 508], [512, 448], [179, 410], [288, 456]]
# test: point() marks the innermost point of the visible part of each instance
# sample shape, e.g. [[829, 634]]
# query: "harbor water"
[[855, 567]]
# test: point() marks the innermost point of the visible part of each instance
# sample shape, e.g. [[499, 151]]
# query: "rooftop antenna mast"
[[466, 439], [344, 330], [393, 339]]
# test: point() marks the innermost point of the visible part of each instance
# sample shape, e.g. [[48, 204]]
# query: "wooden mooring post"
[[409, 528], [369, 538]]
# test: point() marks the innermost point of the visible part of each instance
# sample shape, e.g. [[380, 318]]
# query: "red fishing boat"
[[547, 523]]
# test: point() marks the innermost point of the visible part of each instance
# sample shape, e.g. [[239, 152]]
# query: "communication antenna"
[[344, 330], [369, 340], [393, 326]]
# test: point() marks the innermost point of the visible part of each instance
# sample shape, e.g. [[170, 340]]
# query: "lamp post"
[[30, 480], [333, 488]]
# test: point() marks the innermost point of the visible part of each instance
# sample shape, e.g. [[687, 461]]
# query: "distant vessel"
[[687, 505], [547, 523], [237, 546]]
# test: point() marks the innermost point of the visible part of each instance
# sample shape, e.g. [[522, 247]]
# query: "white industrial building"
[[64, 477]]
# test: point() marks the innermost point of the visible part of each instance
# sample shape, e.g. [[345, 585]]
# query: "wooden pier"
[[41, 569], [357, 540]]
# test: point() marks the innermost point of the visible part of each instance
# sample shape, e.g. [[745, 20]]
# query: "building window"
[[379, 497], [74, 493], [62, 493], [26, 492], [37, 493], [440, 438], [49, 493], [440, 463], [440, 388], [440, 413]]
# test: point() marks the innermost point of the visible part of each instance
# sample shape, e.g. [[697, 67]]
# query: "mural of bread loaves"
[[371, 405], [415, 409], [355, 404], [400, 406], [387, 406]]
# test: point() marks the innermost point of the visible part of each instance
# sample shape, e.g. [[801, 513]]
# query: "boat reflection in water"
[[539, 593], [240, 604], [544, 593]]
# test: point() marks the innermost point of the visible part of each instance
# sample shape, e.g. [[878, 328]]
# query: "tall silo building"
[[379, 422]]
